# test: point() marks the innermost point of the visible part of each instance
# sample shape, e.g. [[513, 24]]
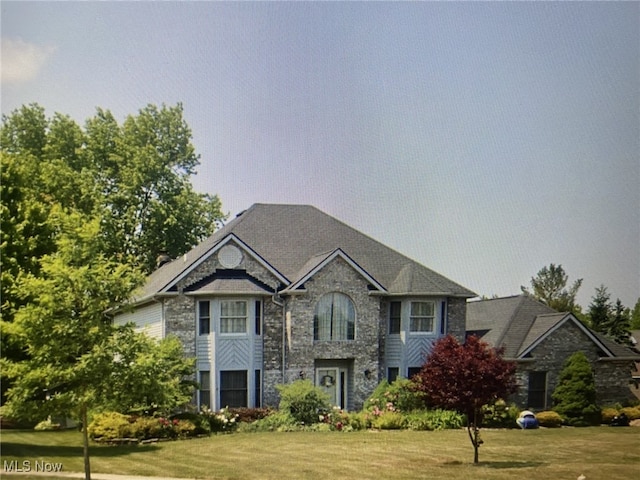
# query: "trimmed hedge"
[[549, 419]]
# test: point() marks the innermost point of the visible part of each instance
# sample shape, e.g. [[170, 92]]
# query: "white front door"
[[333, 382]]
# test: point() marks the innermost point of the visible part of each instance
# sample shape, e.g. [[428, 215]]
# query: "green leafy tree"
[[635, 316], [575, 395], [550, 287], [143, 170], [464, 378], [77, 361], [134, 177]]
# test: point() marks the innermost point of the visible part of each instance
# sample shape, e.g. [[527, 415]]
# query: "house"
[[540, 339], [284, 292]]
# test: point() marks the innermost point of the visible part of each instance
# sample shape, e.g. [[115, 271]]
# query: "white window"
[[233, 316], [422, 317], [334, 318]]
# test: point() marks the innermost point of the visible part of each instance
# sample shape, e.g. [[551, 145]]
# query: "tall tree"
[[143, 171], [635, 316], [620, 324], [77, 361], [134, 177], [464, 377], [600, 310], [550, 287]]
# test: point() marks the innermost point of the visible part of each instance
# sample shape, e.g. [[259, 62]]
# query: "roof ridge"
[[511, 318]]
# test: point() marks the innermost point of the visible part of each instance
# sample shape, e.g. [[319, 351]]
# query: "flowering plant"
[[336, 418], [222, 421]]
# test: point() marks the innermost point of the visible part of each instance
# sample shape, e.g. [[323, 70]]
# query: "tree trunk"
[[474, 435], [85, 442]]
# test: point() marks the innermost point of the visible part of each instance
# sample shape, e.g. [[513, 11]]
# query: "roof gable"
[[318, 262], [555, 322], [520, 323], [289, 238]]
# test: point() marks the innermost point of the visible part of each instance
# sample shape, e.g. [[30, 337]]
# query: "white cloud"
[[22, 61]]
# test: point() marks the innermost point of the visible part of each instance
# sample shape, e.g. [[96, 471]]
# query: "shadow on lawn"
[[500, 465], [511, 464], [12, 449]]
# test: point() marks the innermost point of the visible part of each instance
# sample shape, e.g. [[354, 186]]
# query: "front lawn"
[[596, 452]]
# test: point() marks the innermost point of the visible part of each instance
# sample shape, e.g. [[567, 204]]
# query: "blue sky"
[[485, 140]]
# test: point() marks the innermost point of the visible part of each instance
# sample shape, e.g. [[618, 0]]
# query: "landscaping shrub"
[[184, 429], [500, 415], [401, 395], [112, 426], [223, 421], [607, 414], [109, 425], [388, 421], [359, 421], [279, 421], [303, 401], [575, 395], [632, 413], [434, 420], [201, 423], [549, 419], [339, 420], [249, 415]]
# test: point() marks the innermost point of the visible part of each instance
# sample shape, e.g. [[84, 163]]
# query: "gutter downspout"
[[280, 302]]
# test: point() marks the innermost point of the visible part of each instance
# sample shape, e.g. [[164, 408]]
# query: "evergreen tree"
[[635, 316], [575, 395], [600, 310], [620, 324]]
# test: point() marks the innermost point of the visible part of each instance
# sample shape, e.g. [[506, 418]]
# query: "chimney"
[[162, 259]]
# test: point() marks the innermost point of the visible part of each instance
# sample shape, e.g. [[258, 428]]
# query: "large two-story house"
[[284, 292]]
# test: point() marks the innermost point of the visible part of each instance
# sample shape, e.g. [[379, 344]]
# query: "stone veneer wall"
[[272, 335], [611, 377], [180, 316], [337, 276], [457, 317]]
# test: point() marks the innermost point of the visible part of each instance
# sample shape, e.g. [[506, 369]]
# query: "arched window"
[[334, 318]]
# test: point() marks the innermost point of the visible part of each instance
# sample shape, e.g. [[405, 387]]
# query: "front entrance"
[[334, 382]]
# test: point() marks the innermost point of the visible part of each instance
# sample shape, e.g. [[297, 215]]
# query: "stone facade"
[[361, 354], [288, 348], [457, 317], [611, 376]]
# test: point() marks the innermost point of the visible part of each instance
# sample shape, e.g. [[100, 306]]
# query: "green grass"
[[597, 452]]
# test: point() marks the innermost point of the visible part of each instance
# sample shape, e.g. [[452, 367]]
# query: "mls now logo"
[[27, 466]]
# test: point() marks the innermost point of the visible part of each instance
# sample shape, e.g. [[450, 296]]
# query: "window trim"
[[393, 318], [202, 391], [350, 325], [433, 317], [245, 389], [221, 317]]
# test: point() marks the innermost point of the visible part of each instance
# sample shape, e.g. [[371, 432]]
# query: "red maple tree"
[[464, 377]]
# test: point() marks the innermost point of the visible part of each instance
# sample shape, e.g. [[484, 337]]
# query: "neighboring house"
[[635, 341], [284, 292], [540, 340]]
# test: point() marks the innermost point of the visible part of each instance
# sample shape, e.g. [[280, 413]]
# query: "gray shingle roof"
[[517, 322], [288, 237]]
